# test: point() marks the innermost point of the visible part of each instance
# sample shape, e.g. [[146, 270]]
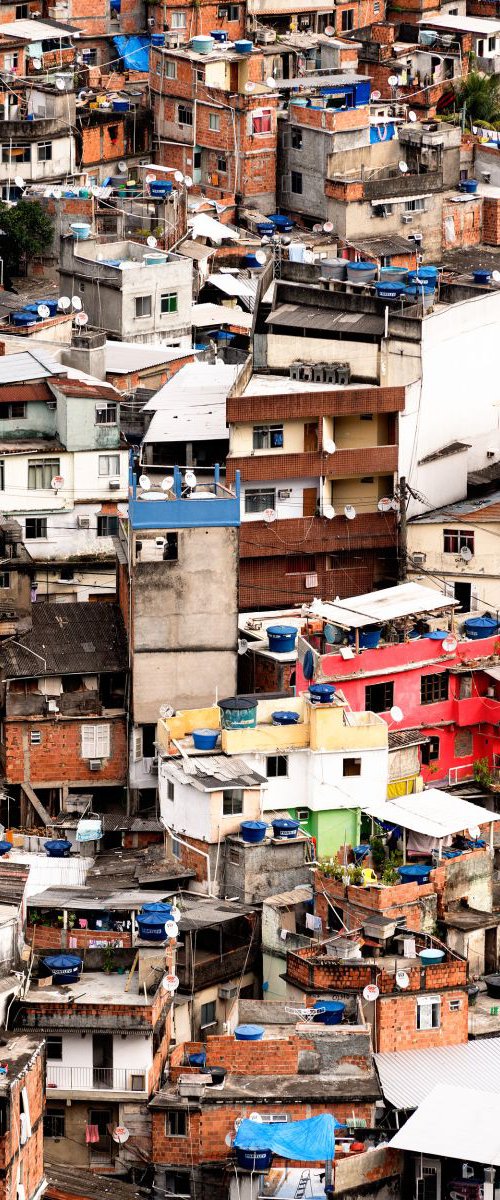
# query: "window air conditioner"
[[419, 559], [83, 522], [95, 764], [406, 218], [114, 483], [227, 991]]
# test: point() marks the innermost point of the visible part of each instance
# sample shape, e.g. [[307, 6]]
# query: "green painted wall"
[[332, 828], [40, 420]]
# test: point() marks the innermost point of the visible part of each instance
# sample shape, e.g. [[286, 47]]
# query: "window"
[[261, 121], [232, 802], [36, 527], [296, 139], [22, 11], [379, 697], [45, 152], [417, 205], [276, 766], [234, 856], [267, 437], [176, 848], [177, 1184], [66, 572], [106, 414], [303, 815], [96, 741], [171, 547], [258, 499], [455, 540], [168, 302], [4, 579], [351, 766], [36, 737], [170, 69], [101, 1117], [54, 1122], [366, 417], [347, 20], [200, 75], [11, 61], [176, 1123], [428, 1012], [214, 121], [107, 526], [492, 41], [41, 472], [184, 115], [16, 154], [454, 1005], [54, 1048], [434, 688], [222, 164], [296, 182], [430, 751], [16, 411], [463, 743], [178, 19], [228, 12], [170, 790], [109, 464], [208, 1015], [376, 8], [143, 306]]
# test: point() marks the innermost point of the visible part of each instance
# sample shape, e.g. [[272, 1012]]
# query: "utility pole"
[[403, 533]]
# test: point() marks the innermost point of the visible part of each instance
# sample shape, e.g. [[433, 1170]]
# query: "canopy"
[[207, 227], [134, 51], [432, 812], [374, 608], [312, 1140], [454, 1122]]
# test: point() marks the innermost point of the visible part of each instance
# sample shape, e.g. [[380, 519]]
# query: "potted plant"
[[378, 852]]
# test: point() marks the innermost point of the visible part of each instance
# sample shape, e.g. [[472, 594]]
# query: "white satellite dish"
[[402, 980], [150, 178], [394, 504], [166, 711], [328, 227], [60, 83], [403, 166], [261, 257], [170, 983], [122, 166], [171, 929], [474, 832], [350, 512], [144, 483], [228, 1140], [237, 1123], [176, 913], [269, 515], [242, 646], [64, 303], [178, 176], [396, 713], [43, 311], [384, 504], [465, 553], [255, 1116], [393, 81], [371, 992], [19, 181], [270, 81], [37, 63], [96, 192], [81, 318], [449, 644], [412, 116], [376, 95], [328, 511], [76, 303], [57, 482], [120, 1134], [318, 228], [190, 479], [151, 242], [57, 193], [250, 86], [329, 446], [495, 275], [188, 181], [167, 483]]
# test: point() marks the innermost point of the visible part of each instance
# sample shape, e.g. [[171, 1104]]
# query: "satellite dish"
[[76, 303], [167, 483], [176, 913], [96, 192], [144, 483], [37, 63], [318, 228], [228, 1140], [350, 512], [449, 644], [150, 178], [57, 482], [122, 166], [120, 1134], [188, 181], [495, 275], [396, 713], [329, 31], [242, 646], [81, 318], [19, 181], [261, 257], [329, 446], [270, 81], [328, 227], [171, 929], [190, 479], [57, 193], [393, 81], [170, 983], [384, 504], [151, 242], [371, 992], [237, 1123], [64, 303], [178, 176], [376, 95], [166, 711], [43, 311], [394, 504], [465, 553], [328, 511], [403, 166], [250, 86], [255, 1116], [285, 241], [474, 832], [60, 83], [402, 980], [412, 116], [269, 515]]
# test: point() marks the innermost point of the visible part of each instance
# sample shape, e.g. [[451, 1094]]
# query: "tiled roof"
[[77, 639]]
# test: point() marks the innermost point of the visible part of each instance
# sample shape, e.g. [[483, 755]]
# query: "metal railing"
[[86, 1079]]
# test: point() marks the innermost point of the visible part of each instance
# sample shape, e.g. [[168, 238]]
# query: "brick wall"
[[467, 224], [12, 1154], [288, 407], [397, 1023], [58, 757], [45, 938], [491, 221], [103, 142], [369, 460]]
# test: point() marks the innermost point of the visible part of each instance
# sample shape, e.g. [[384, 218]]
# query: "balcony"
[[215, 968], [402, 185], [369, 531], [288, 406], [373, 460], [475, 710], [96, 1079]]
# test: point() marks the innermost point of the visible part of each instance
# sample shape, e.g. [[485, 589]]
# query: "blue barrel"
[[249, 1033], [4, 848], [121, 106], [414, 873], [253, 1160], [57, 847], [426, 274], [469, 186], [482, 276], [284, 717], [198, 1060], [219, 35], [157, 39], [253, 831], [205, 739], [390, 291], [333, 1011], [64, 968], [265, 228], [480, 627], [281, 638], [251, 262], [285, 828], [160, 187], [151, 926], [322, 693]]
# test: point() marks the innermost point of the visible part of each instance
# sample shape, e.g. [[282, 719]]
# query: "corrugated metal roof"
[[213, 772], [66, 1181], [80, 638], [36, 31], [124, 357], [234, 285], [299, 895], [399, 738], [454, 1122], [205, 421], [305, 316], [382, 246], [19, 392], [28, 364], [213, 381], [306, 82], [408, 1076], [373, 608], [219, 314]]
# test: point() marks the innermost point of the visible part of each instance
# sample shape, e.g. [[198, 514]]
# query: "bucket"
[[253, 831], [205, 739], [332, 1014], [361, 272], [281, 638], [285, 828]]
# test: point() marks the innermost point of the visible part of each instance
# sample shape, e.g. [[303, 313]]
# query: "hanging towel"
[[91, 1134], [89, 829]]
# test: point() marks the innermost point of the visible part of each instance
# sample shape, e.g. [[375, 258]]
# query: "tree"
[[480, 95], [27, 233]]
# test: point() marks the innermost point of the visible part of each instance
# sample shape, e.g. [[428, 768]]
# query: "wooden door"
[[310, 436], [309, 502]]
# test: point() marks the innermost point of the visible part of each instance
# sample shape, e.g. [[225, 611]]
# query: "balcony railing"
[[102, 1079]]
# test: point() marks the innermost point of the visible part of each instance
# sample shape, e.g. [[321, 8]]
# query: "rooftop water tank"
[[219, 35], [333, 268], [159, 908], [157, 39], [361, 272], [243, 46], [249, 1033], [480, 627], [81, 230], [469, 186], [238, 713], [333, 1011], [57, 847], [64, 968], [424, 275], [151, 926], [205, 739], [202, 44], [322, 693], [389, 290], [482, 275], [253, 831], [121, 106], [253, 1160], [4, 848], [285, 717], [285, 828], [281, 638]]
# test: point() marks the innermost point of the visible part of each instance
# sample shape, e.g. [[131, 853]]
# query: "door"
[[463, 593], [310, 436], [490, 950], [309, 502], [102, 1060], [428, 1178], [101, 1144], [197, 165]]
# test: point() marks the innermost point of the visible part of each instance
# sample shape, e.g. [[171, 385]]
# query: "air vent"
[[95, 764]]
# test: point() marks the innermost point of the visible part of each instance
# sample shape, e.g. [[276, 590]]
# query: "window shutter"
[[88, 741], [137, 750], [102, 741]]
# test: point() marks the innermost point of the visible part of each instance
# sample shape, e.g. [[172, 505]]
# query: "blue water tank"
[[151, 926], [4, 848], [219, 35], [159, 908], [333, 1011], [284, 717], [243, 46], [285, 828], [281, 638], [322, 693], [58, 847], [253, 831], [64, 968], [390, 290], [481, 627], [249, 1033]]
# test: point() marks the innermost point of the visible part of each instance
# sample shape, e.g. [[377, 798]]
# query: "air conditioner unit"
[[406, 218], [83, 522], [114, 483], [153, 766], [151, 22], [95, 764], [227, 991], [52, 706], [51, 405], [284, 493], [419, 559]]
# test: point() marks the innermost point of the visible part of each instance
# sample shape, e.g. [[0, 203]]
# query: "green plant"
[[108, 960], [355, 875], [482, 773], [71, 920], [378, 852], [333, 870], [389, 875], [27, 234], [35, 917], [479, 96]]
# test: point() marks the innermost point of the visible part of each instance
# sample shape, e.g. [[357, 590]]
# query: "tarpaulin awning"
[[433, 812], [312, 1140], [134, 51], [454, 1122], [203, 225]]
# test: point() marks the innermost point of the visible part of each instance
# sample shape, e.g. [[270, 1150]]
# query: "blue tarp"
[[382, 132], [134, 51], [312, 1140]]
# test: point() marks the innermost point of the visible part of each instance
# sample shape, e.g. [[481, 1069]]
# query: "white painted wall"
[[292, 506], [80, 471], [62, 162], [316, 781], [199, 814], [130, 1053]]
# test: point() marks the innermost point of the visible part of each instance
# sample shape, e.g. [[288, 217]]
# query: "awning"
[[492, 672], [312, 1140], [232, 285], [374, 608], [408, 1076], [435, 813], [454, 1122], [204, 226]]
